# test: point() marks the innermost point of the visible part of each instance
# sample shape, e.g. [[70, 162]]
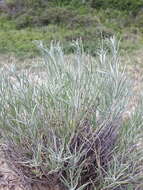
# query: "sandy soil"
[[8, 179]]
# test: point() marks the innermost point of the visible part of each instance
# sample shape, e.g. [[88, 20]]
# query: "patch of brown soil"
[[21, 63], [8, 179]]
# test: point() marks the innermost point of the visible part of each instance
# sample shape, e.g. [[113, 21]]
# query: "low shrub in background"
[[26, 3], [55, 15], [66, 130], [25, 21], [128, 5]]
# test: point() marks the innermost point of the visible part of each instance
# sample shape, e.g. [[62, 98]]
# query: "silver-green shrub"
[[63, 123]]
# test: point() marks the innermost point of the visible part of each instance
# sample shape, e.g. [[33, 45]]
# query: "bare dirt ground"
[[8, 179]]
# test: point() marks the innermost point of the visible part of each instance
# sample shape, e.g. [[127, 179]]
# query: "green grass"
[[67, 23], [21, 42]]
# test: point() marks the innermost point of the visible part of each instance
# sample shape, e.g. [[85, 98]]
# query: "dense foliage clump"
[[63, 126], [128, 5]]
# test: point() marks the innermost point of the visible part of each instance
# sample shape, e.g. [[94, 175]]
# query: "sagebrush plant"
[[66, 128]]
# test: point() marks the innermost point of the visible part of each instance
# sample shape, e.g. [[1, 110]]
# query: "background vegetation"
[[22, 22]]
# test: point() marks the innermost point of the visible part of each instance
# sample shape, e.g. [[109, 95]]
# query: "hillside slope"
[[23, 22]]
